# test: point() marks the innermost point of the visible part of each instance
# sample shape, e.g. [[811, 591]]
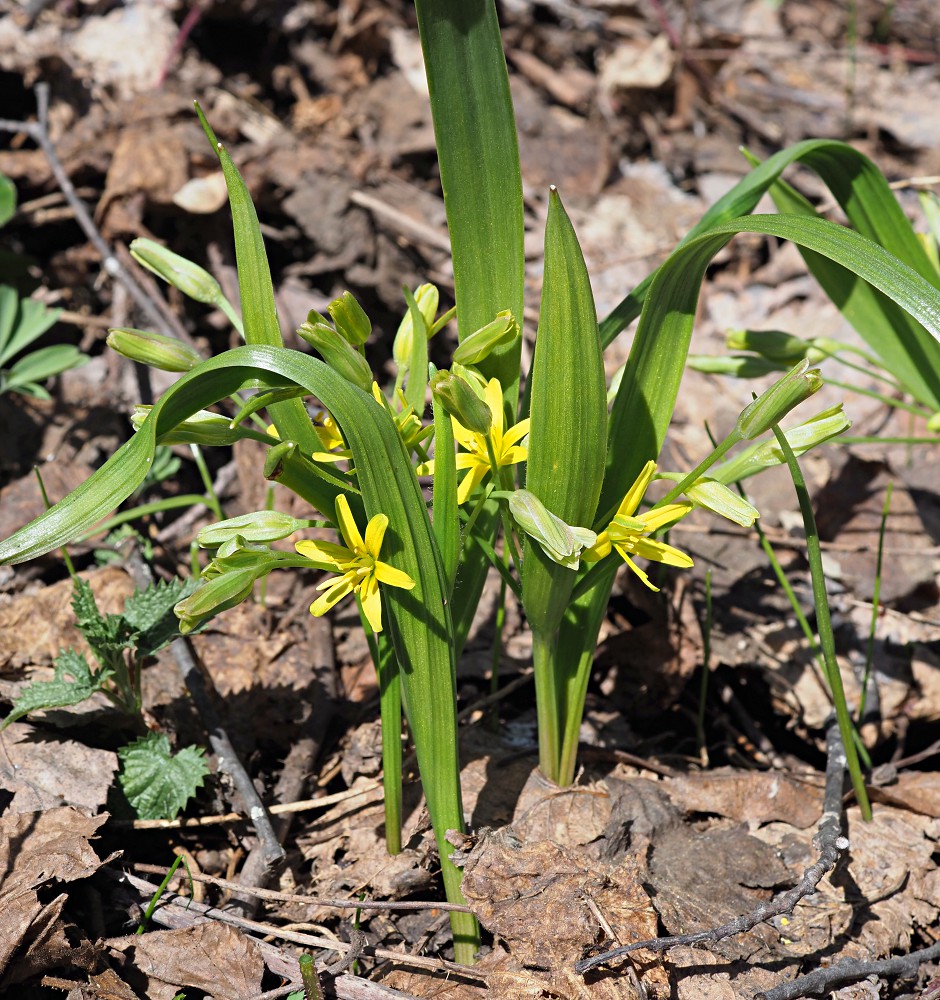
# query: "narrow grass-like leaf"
[[901, 343], [478, 153], [444, 499], [259, 310], [567, 447], [856, 183]]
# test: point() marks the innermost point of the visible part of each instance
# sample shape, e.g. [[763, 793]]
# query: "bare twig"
[[292, 897], [38, 131], [179, 911], [828, 841], [198, 685], [820, 982]]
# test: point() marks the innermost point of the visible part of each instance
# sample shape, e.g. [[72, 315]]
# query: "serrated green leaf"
[[72, 683], [150, 613], [157, 782]]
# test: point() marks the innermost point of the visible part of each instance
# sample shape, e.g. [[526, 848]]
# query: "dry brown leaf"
[[208, 956], [44, 770], [918, 791], [535, 898], [35, 850], [747, 796]]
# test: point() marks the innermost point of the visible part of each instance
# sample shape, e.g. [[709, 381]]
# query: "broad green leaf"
[[73, 681], [44, 363], [905, 348], [157, 782], [567, 447], [856, 183], [478, 151], [21, 322], [150, 613]]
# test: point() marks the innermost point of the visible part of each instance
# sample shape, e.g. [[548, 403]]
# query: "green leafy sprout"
[[548, 489]]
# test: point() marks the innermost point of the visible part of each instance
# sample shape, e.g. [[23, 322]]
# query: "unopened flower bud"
[[350, 319], [153, 349], [561, 542], [473, 349], [809, 434], [203, 427], [461, 402], [428, 297], [191, 279], [338, 353], [738, 365], [777, 345], [717, 498], [772, 406], [260, 526], [214, 596]]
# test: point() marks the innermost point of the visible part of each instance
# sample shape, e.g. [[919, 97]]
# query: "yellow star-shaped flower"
[[476, 456], [628, 533], [358, 562]]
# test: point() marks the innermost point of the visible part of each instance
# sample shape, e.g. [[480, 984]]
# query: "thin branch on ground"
[[829, 842], [38, 131], [820, 982], [199, 685], [176, 912], [292, 897], [305, 805]]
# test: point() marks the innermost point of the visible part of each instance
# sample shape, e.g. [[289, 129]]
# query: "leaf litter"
[[629, 852]]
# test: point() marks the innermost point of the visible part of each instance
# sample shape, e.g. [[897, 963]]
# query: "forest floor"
[[637, 113]]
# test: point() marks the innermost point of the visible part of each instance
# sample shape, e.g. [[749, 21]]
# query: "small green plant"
[[22, 322], [548, 489], [156, 782]]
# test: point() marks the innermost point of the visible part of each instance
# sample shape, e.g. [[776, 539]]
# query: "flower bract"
[[628, 532], [361, 571]]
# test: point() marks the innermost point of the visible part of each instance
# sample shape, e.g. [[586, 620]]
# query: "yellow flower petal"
[[392, 577], [516, 433], [337, 590], [493, 397], [648, 548], [636, 569], [335, 555], [371, 603], [655, 519], [375, 533], [347, 525], [635, 494], [470, 482]]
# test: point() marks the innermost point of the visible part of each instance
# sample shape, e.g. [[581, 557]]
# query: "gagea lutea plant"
[[550, 489]]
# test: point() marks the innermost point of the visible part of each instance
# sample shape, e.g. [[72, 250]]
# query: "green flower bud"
[[214, 596], [260, 526], [479, 345], [350, 319], [428, 298], [191, 279], [738, 366], [153, 349], [772, 406], [203, 427], [338, 353], [561, 542], [809, 434], [717, 498], [461, 402], [776, 345]]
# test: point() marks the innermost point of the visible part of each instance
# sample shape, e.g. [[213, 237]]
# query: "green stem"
[[719, 452], [211, 500], [824, 626], [547, 705], [875, 602]]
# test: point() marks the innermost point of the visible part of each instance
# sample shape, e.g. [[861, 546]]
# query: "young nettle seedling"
[[156, 782]]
